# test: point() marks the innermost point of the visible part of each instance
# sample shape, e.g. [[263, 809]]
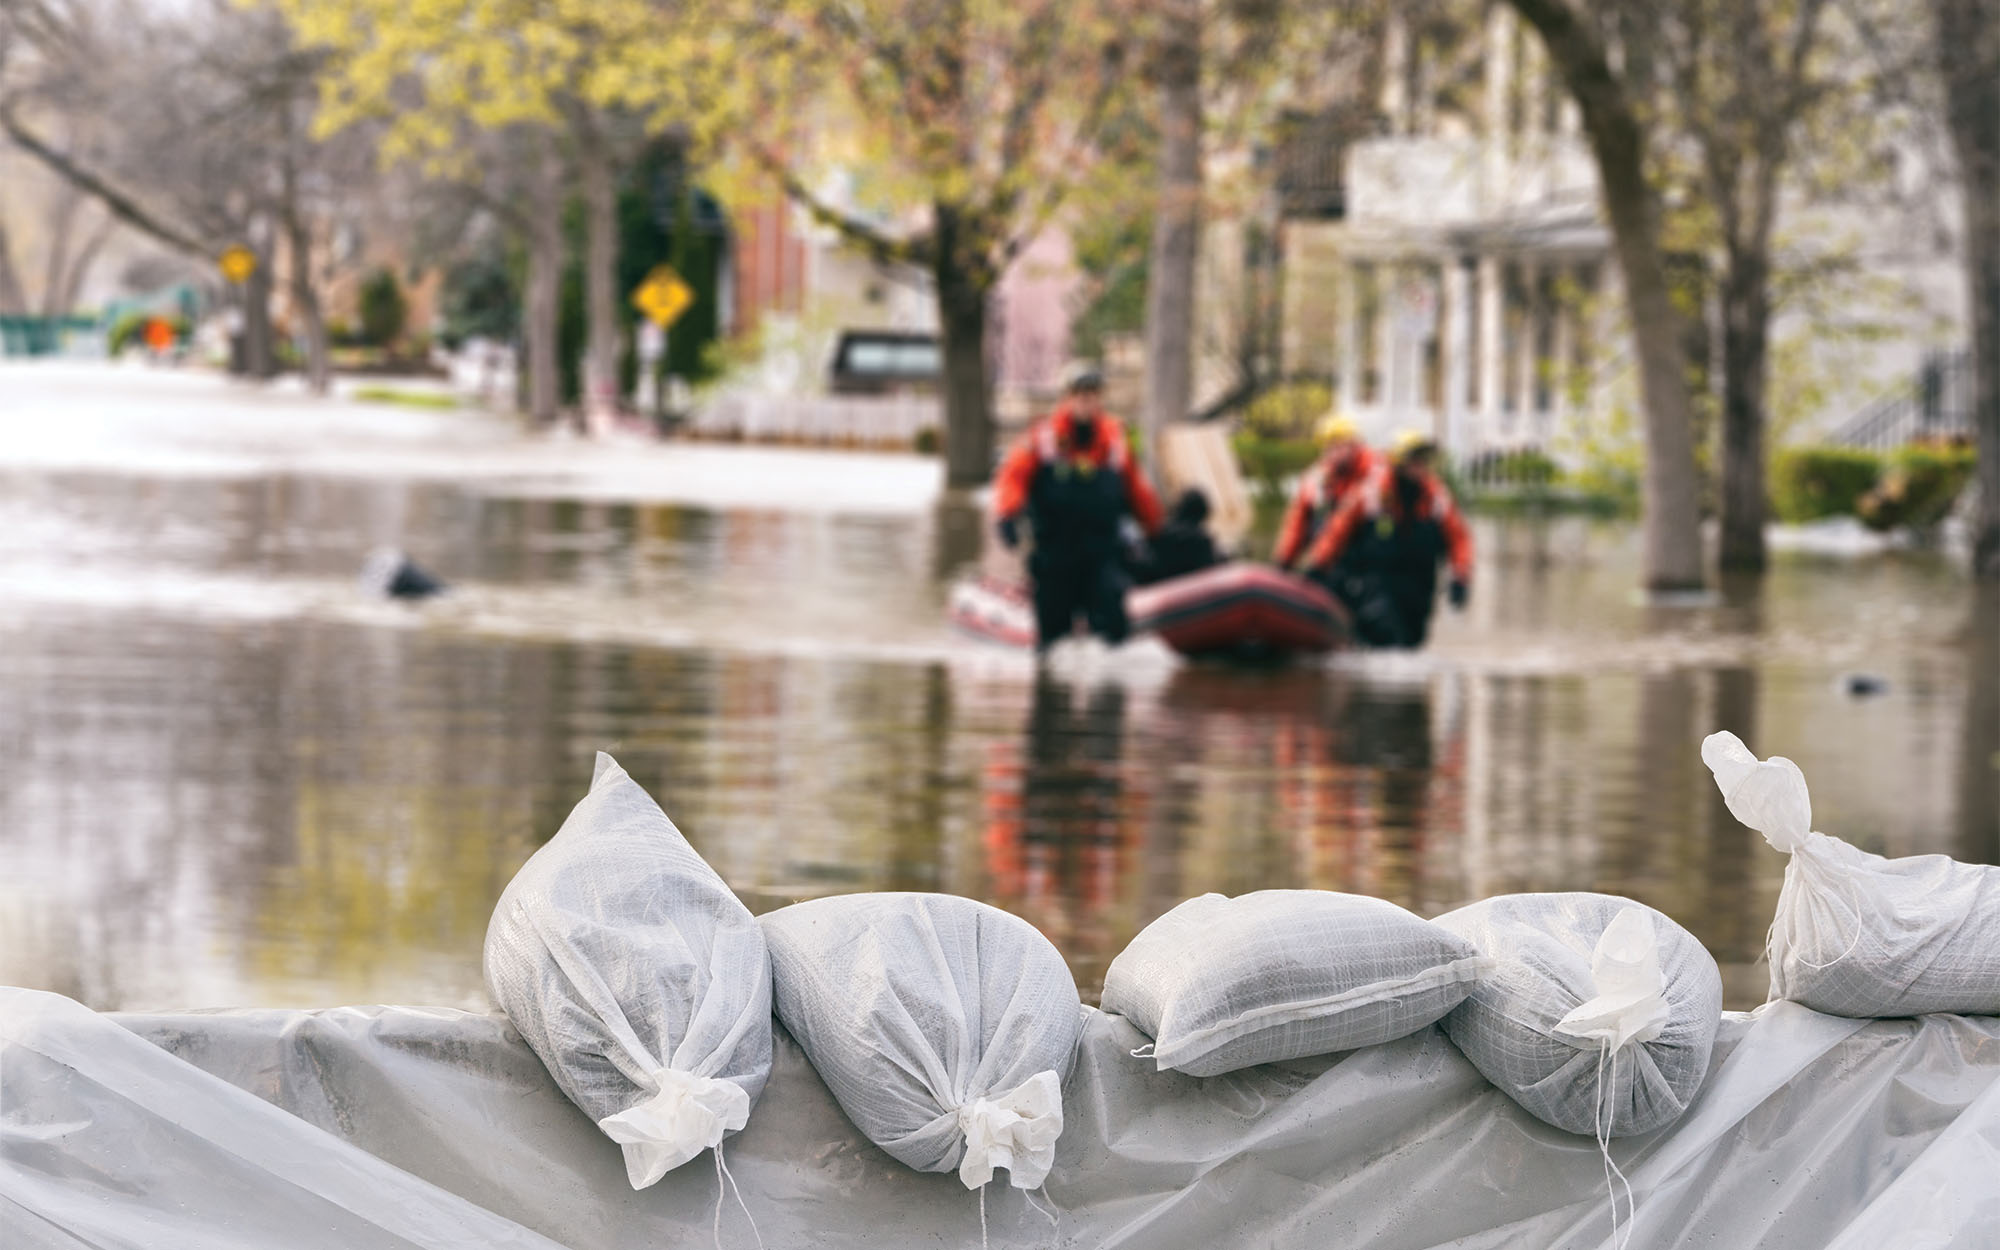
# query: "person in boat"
[[1074, 482], [1183, 544], [1380, 552], [1344, 464]]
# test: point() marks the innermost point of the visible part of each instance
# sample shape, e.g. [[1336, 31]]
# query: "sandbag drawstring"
[[723, 1173]]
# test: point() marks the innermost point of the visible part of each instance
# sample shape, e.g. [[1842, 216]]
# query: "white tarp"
[[422, 1128]]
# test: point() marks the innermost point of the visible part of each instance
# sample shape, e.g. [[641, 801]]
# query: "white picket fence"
[[839, 420]]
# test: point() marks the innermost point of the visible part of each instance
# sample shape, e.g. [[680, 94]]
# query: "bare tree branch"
[[121, 205], [881, 247]]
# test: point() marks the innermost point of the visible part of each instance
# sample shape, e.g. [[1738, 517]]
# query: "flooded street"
[[229, 777]]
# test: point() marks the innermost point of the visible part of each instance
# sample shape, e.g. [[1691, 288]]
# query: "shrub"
[[1270, 462], [382, 309], [1808, 483], [1919, 487], [129, 331], [1289, 411], [927, 442]]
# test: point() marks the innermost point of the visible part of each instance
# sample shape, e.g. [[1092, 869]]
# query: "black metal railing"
[[1936, 403]]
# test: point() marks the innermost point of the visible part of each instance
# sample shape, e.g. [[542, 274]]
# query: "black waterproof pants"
[[1389, 609], [1067, 585]]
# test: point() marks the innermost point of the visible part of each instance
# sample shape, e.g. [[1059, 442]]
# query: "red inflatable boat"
[[1243, 611], [992, 609]]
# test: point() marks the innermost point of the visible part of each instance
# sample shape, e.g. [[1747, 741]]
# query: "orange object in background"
[[159, 335]]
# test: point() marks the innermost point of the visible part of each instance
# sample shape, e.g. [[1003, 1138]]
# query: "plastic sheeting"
[[440, 1128]]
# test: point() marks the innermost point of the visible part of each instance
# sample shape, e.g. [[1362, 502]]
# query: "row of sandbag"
[[944, 1028]]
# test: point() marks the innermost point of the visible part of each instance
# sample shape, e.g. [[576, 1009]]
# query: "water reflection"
[[225, 779]]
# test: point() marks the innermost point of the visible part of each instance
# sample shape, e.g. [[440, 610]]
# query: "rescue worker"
[[1345, 463], [1073, 479], [1380, 553], [1183, 544]]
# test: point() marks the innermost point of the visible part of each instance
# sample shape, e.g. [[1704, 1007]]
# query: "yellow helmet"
[[1335, 427], [1409, 443]]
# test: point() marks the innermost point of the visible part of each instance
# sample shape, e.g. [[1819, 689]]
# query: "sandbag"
[[1857, 934], [1599, 1014], [1221, 984], [944, 1027], [637, 977]]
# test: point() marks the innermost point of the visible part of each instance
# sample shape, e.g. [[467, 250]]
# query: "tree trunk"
[[541, 304], [1982, 264], [1670, 494], [298, 242], [1968, 43], [1746, 323], [1170, 275], [604, 334], [13, 302], [305, 302], [85, 261], [260, 358], [964, 277], [61, 226]]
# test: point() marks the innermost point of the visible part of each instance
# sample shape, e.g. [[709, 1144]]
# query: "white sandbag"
[[1857, 934], [1599, 1015], [1222, 984], [944, 1027], [637, 977]]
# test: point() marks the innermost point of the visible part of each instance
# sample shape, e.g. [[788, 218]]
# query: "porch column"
[[1491, 308], [1524, 349], [1388, 294], [1564, 365], [1456, 347], [1348, 337]]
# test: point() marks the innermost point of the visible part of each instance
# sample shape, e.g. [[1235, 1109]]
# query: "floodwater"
[[228, 777]]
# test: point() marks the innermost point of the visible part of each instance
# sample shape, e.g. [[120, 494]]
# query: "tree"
[[984, 112], [382, 308], [13, 300], [1614, 121], [1967, 42], [1746, 74], [1170, 287], [189, 127], [438, 72]]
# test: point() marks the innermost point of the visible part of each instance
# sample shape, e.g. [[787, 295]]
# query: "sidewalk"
[[140, 420]]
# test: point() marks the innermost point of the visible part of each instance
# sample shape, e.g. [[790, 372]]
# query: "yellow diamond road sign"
[[237, 262], [663, 296]]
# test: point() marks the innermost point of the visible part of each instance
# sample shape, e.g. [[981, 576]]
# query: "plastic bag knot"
[[1770, 795], [1016, 1130], [1631, 1001], [686, 1115]]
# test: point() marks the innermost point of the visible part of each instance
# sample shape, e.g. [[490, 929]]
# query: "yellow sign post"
[[237, 263], [663, 296]]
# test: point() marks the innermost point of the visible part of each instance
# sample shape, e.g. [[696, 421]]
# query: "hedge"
[[1808, 483]]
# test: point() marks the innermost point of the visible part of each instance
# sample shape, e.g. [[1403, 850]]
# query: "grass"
[[407, 399]]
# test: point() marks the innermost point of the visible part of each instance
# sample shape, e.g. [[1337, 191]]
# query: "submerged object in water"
[[987, 607], [1243, 611], [392, 573], [1863, 685]]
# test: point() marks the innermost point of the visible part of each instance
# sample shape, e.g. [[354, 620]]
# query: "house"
[[1440, 259]]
